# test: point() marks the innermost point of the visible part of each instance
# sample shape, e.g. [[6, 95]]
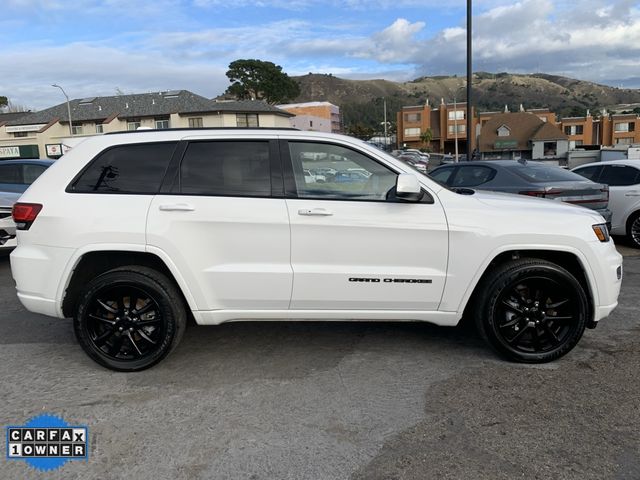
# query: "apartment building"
[[46, 133], [447, 124], [315, 116]]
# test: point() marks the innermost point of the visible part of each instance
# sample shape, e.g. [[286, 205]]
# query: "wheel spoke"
[[102, 319], [560, 318], [133, 299], [107, 307], [535, 338], [515, 319], [102, 339], [145, 308], [554, 338], [558, 304], [144, 323], [517, 336], [115, 347], [142, 333], [133, 342], [512, 307]]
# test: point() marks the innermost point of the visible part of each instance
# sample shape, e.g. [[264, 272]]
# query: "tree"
[[4, 101], [426, 137], [255, 79]]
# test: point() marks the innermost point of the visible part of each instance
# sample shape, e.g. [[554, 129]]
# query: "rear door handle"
[[632, 194], [177, 207], [320, 212]]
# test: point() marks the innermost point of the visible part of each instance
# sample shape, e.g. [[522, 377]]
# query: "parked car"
[[346, 176], [623, 178], [130, 231], [17, 175], [7, 226], [419, 165], [534, 179], [424, 155]]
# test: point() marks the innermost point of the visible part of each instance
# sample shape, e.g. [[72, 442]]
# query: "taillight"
[[605, 190], [24, 214]]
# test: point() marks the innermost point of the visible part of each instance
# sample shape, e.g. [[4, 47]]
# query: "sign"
[[505, 144], [54, 149], [9, 152], [20, 151], [24, 128], [47, 442]]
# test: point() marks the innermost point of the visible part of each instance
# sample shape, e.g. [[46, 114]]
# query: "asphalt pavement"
[[333, 401]]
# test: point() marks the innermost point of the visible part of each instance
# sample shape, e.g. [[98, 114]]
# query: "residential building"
[[316, 116], [521, 135], [46, 133], [447, 124]]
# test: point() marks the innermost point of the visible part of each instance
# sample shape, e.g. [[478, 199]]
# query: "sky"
[[101, 47]]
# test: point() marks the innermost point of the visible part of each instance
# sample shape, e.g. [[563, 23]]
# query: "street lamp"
[[68, 107]]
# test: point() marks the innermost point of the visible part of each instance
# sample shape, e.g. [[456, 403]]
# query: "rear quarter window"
[[131, 168]]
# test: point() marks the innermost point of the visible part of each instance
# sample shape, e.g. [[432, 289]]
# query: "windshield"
[[544, 173]]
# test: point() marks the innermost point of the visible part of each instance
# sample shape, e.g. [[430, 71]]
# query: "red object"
[[24, 214]]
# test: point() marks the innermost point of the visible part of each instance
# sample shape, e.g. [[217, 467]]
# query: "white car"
[[7, 227], [623, 178], [129, 232]]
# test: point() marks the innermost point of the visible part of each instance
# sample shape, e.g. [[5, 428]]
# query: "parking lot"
[[333, 401]]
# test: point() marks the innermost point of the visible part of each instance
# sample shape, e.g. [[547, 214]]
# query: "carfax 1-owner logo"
[[47, 442]]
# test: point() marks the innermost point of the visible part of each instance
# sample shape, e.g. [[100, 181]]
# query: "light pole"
[[68, 107], [386, 141], [470, 135]]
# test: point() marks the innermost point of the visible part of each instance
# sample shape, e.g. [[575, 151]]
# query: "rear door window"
[[592, 173], [473, 176], [619, 175], [10, 174], [226, 168], [133, 168]]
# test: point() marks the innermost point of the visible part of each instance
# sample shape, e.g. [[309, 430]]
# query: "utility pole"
[[455, 125], [68, 107], [470, 134], [386, 139]]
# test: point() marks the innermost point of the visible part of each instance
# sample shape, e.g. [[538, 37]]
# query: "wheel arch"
[[570, 261], [90, 264]]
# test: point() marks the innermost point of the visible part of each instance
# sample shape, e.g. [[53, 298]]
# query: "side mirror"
[[408, 187]]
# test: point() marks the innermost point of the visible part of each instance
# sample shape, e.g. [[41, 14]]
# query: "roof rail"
[[200, 129]]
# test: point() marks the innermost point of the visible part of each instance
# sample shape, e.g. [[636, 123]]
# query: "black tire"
[[129, 318], [633, 230], [531, 311]]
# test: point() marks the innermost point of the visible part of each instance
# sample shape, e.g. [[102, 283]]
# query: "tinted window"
[[589, 172], [10, 174], [619, 175], [137, 168], [472, 176], [226, 168], [336, 172], [442, 175], [31, 172], [543, 173]]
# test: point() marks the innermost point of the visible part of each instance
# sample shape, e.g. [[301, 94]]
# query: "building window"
[[21, 134], [411, 132], [578, 143], [162, 122], [574, 130], [133, 124], [461, 129], [76, 130], [311, 123], [99, 128], [247, 119], [195, 122], [504, 131], [456, 115], [624, 141], [624, 127], [412, 117], [550, 149]]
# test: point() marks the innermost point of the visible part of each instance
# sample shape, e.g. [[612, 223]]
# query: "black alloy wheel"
[[634, 231], [129, 318], [534, 311]]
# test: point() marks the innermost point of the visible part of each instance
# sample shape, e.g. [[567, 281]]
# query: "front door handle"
[[321, 212], [632, 194], [177, 207]]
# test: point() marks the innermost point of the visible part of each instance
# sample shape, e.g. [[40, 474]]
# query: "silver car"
[[7, 227]]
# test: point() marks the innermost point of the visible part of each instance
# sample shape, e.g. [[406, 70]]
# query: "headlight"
[[601, 232]]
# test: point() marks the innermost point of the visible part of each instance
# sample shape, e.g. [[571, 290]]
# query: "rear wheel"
[[532, 311], [633, 230], [129, 318]]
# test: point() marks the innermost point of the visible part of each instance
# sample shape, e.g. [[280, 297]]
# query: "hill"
[[361, 101]]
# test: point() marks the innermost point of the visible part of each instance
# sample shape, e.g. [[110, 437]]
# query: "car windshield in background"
[[543, 173]]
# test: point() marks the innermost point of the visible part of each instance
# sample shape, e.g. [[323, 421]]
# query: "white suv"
[[129, 233]]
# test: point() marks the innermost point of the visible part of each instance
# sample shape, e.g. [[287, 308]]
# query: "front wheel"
[[633, 230], [129, 318], [532, 311]]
